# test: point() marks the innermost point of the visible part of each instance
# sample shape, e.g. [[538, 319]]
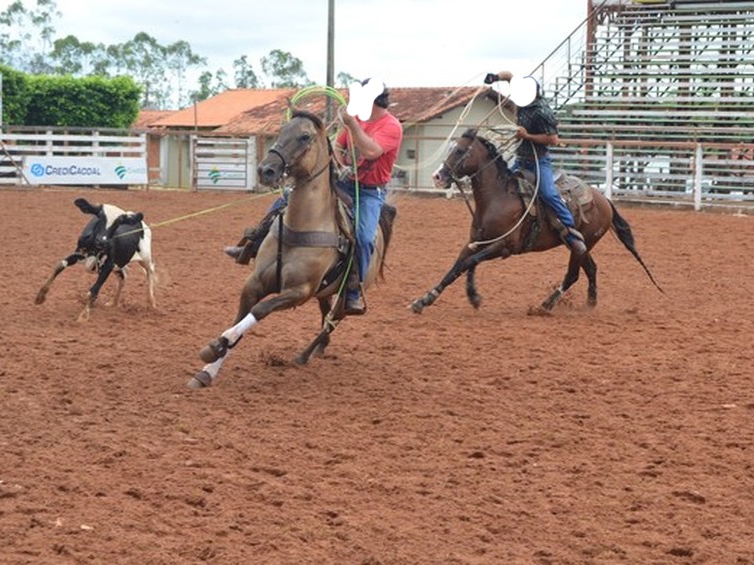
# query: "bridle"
[[453, 170], [301, 150], [457, 180]]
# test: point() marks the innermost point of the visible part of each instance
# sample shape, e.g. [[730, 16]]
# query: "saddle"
[[574, 192], [344, 241], [346, 224]]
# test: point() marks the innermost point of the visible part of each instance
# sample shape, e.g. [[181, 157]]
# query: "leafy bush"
[[89, 102], [15, 95]]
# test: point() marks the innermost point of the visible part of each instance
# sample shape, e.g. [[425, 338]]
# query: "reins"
[[298, 155], [476, 244]]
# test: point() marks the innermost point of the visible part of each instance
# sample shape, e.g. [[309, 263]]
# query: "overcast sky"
[[403, 42]]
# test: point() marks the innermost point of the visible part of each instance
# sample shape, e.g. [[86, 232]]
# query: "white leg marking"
[[213, 368], [234, 334]]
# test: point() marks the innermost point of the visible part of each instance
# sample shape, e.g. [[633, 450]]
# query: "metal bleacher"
[[656, 100]]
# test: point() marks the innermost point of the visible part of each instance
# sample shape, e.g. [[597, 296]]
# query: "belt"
[[364, 186]]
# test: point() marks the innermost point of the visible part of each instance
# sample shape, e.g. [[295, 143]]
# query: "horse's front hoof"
[[200, 380], [214, 350], [475, 301], [417, 306], [539, 311]]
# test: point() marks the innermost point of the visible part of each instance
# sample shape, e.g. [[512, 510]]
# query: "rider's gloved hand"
[[490, 78]]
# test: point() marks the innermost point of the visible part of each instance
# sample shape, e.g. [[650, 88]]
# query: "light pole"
[[330, 54]]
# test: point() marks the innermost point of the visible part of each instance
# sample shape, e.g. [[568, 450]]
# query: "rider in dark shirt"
[[538, 130]]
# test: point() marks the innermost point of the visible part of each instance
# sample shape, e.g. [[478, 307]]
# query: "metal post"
[[330, 56], [698, 171], [609, 171]]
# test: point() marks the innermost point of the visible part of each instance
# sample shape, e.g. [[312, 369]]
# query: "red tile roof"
[[146, 118], [254, 111], [221, 109]]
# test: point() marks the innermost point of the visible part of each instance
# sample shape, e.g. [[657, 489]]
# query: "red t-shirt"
[[387, 132]]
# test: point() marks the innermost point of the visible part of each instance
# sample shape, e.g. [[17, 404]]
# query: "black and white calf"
[[109, 242]]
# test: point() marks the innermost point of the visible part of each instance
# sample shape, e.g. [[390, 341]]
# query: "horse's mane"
[[309, 116], [492, 151]]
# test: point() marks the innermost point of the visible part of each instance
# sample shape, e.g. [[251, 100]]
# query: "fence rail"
[[697, 174], [69, 158]]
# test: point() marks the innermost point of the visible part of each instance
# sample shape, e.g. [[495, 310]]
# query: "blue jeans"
[[370, 204], [547, 190]]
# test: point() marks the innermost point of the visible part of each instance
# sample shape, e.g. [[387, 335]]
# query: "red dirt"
[[619, 434]]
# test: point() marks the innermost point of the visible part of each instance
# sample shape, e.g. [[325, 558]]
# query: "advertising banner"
[[40, 169]]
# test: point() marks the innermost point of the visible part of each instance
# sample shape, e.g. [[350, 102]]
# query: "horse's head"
[[301, 150], [467, 157]]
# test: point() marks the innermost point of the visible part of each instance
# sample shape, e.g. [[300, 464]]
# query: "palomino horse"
[[503, 225], [306, 253]]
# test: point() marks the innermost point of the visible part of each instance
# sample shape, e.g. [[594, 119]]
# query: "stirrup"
[[249, 251], [355, 306]]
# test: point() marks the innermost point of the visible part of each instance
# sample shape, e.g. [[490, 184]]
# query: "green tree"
[[69, 56], [179, 58], [145, 60], [210, 85], [244, 74], [284, 69], [26, 35], [28, 43], [92, 102], [344, 80]]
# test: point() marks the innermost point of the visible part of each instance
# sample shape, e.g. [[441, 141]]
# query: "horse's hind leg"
[[572, 275]]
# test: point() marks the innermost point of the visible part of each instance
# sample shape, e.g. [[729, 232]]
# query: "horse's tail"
[[387, 216], [623, 231]]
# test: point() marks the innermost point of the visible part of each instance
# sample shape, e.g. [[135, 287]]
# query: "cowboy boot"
[[252, 239], [355, 305], [571, 237], [575, 240]]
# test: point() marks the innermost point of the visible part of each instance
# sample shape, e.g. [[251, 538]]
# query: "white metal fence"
[[696, 174], [95, 158], [223, 163]]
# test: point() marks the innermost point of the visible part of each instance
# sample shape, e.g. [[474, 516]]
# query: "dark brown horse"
[[306, 253], [506, 221]]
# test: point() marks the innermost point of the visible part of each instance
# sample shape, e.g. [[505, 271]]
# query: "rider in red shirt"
[[375, 142]]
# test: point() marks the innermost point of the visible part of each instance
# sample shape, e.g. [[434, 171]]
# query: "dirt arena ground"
[[621, 434]]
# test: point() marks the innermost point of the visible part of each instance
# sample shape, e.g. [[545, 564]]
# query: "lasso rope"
[[507, 143], [476, 244], [194, 214]]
